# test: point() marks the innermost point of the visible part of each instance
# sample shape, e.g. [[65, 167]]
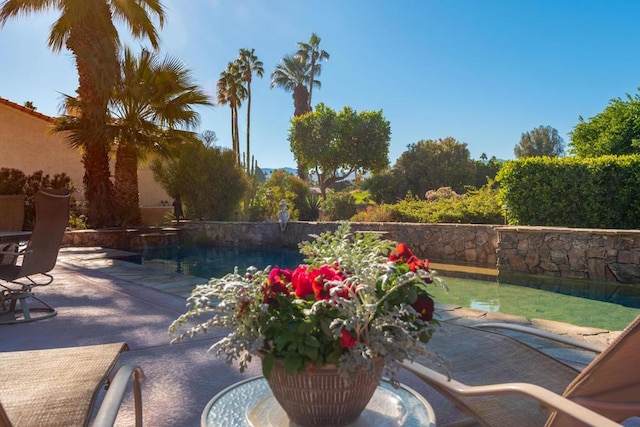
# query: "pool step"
[[464, 271]]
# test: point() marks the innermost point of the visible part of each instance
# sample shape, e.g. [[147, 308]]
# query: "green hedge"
[[600, 192]]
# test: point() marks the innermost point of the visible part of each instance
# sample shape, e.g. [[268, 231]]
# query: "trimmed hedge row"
[[600, 192]]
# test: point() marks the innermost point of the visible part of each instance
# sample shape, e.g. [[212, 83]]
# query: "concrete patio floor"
[[102, 300]]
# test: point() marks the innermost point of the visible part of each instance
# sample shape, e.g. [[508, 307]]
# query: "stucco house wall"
[[27, 144]]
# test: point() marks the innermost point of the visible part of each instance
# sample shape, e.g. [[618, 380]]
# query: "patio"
[[102, 300]]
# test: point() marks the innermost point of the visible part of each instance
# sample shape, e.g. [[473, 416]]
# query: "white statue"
[[283, 215]]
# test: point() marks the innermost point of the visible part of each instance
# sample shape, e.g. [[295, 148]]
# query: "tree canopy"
[[333, 145], [616, 130], [208, 180], [430, 164], [539, 142]]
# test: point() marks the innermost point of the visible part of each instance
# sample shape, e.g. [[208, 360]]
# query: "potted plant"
[[12, 183], [359, 304]]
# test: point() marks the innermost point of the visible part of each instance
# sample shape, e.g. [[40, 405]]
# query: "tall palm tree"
[[151, 109], [310, 52], [231, 92], [291, 74], [249, 64], [86, 28]]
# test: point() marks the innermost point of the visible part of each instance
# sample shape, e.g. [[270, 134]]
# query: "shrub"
[[209, 181], [339, 206], [382, 187], [475, 207], [375, 213], [12, 181]]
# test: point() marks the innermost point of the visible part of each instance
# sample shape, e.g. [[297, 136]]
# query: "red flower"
[[276, 284], [424, 305], [348, 340], [318, 278], [404, 254], [301, 282], [279, 276]]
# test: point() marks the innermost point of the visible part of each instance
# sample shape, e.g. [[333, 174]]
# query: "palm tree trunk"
[[301, 106], [248, 127], [233, 132], [97, 65], [126, 186], [311, 77], [236, 133]]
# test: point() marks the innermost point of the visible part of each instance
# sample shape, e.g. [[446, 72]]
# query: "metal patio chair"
[[37, 259], [500, 381], [60, 386]]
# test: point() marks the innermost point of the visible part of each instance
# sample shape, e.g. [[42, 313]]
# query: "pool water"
[[214, 261], [534, 303]]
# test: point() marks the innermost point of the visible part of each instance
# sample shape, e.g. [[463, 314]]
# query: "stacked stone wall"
[[583, 254]]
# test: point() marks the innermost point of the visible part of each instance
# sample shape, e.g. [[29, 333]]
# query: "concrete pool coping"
[[101, 298]]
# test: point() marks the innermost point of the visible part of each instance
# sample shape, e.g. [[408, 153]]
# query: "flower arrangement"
[[357, 299]]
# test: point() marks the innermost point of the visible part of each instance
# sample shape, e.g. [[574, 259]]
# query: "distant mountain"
[[269, 171]]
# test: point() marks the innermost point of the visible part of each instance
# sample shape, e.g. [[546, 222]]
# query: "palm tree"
[[248, 64], [292, 74], [310, 52], [231, 92], [151, 109], [86, 28]]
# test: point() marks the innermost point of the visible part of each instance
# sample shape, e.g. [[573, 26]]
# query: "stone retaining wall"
[[123, 239], [521, 254], [584, 254], [451, 243]]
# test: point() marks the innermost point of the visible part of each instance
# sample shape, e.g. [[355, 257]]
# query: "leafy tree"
[[208, 179], [335, 145], [312, 54], [231, 92], [486, 169], [541, 141], [615, 131], [430, 164], [383, 187], [86, 28], [208, 138], [248, 64]]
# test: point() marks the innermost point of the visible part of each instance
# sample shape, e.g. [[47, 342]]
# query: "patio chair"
[[59, 387], [500, 381], [38, 258]]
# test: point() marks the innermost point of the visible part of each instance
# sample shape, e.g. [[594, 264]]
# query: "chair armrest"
[[596, 348], [108, 411], [547, 397]]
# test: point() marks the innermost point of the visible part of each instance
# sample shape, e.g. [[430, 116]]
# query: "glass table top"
[[250, 403]]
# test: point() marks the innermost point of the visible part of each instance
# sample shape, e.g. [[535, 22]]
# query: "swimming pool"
[[215, 261]]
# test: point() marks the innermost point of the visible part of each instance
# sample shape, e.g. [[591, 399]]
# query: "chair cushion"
[[54, 387]]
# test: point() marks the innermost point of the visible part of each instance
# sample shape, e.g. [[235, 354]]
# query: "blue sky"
[[480, 71]]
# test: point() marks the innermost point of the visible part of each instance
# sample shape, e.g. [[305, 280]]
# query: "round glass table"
[[250, 403]]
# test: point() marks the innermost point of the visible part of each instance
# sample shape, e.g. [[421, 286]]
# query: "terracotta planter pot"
[[11, 212], [321, 397]]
